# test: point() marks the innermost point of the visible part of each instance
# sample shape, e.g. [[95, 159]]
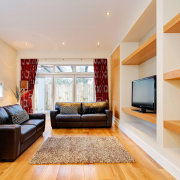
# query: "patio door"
[[63, 89], [43, 94]]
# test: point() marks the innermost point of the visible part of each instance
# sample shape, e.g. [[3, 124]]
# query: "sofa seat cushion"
[[93, 117], [68, 118], [27, 131], [39, 123]]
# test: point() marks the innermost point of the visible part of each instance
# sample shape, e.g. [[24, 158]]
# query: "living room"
[[89, 90]]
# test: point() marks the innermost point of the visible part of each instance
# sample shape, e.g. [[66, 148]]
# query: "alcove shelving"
[[172, 75], [171, 83], [150, 117], [173, 26], [173, 125], [138, 60], [144, 52]]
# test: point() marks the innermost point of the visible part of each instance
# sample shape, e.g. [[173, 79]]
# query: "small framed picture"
[[1, 89]]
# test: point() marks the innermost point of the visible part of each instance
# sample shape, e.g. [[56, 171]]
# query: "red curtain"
[[101, 79], [28, 73]]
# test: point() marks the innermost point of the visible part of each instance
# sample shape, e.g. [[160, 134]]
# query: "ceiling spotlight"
[[28, 45], [98, 43], [108, 13]]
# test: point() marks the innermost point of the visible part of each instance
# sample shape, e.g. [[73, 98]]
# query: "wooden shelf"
[[173, 26], [173, 125], [172, 75], [151, 117], [146, 51]]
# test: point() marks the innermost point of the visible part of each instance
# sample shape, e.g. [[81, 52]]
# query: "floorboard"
[[144, 167]]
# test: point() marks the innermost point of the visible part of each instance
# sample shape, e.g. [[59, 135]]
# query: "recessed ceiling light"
[[28, 45], [98, 43], [108, 13]]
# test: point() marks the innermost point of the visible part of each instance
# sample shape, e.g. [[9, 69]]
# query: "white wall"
[[171, 8], [7, 72], [148, 68], [127, 75]]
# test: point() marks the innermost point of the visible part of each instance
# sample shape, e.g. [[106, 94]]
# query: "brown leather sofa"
[[14, 138], [90, 115]]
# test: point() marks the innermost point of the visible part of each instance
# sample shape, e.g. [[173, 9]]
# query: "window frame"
[[2, 84], [73, 74]]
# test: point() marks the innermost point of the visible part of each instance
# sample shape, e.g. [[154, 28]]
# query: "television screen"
[[144, 93]]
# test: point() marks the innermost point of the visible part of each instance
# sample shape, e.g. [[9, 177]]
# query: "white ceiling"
[[45, 24]]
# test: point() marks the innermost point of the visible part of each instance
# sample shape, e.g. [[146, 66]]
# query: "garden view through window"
[[63, 83]]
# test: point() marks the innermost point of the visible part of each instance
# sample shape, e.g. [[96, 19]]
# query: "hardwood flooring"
[[143, 168]]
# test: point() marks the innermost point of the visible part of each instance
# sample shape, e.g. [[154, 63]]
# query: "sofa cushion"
[[60, 104], [4, 118], [20, 117], [93, 117], [27, 131], [96, 107], [68, 117], [69, 110], [39, 123], [13, 109]]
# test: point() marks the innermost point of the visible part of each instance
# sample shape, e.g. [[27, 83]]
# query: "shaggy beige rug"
[[81, 149]]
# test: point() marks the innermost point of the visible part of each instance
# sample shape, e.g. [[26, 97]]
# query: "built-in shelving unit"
[[151, 117], [143, 53], [172, 75], [157, 134], [173, 125], [173, 26]]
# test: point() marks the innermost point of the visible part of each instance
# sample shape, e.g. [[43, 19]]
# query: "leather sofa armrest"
[[53, 115], [37, 116], [109, 117], [10, 136]]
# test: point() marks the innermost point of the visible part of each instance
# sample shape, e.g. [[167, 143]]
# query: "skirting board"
[[154, 153]]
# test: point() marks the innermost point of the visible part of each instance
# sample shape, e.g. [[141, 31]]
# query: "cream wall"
[[148, 68], [7, 72]]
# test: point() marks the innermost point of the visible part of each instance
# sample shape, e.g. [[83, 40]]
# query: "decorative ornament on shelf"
[[18, 93]]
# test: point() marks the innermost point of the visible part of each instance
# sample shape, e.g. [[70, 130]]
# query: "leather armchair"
[[10, 136]]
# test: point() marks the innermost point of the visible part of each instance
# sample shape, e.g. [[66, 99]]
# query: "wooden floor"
[[143, 168]]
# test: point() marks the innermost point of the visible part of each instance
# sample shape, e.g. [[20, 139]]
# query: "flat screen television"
[[144, 94]]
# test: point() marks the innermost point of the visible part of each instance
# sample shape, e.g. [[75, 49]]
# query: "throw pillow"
[[20, 117], [69, 110], [96, 107]]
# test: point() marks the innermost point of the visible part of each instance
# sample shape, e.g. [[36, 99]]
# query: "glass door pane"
[[84, 89], [43, 94], [63, 89]]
